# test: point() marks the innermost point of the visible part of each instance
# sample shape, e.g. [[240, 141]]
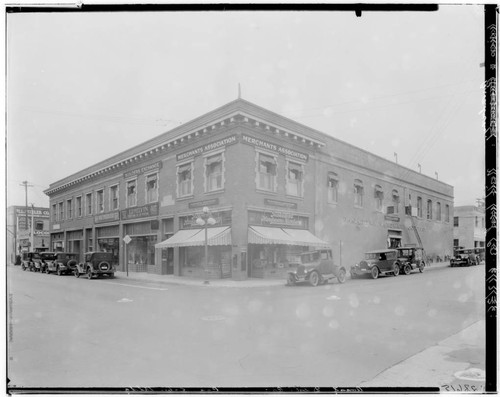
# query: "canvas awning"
[[276, 235], [196, 237]]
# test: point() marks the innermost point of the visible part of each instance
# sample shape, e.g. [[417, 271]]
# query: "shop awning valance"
[[196, 237], [275, 235]]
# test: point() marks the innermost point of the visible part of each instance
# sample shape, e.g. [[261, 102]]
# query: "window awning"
[[276, 235], [196, 237]]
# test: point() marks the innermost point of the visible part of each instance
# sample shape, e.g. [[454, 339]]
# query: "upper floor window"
[[214, 173], [419, 207], [113, 197], [294, 179], [39, 225], [79, 210], [185, 180], [69, 208], [132, 193], [379, 198], [88, 203], [455, 221], [152, 188], [100, 201], [54, 213], [267, 171], [429, 209], [61, 211], [438, 211], [358, 193], [447, 213], [395, 201], [333, 187]]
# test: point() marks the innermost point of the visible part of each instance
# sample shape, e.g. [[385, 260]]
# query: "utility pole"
[[25, 184], [32, 239]]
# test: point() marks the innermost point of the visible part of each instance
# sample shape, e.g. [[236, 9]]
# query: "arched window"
[[379, 197], [429, 209], [358, 193], [395, 201], [332, 184]]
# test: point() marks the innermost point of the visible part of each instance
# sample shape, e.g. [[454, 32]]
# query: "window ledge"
[[182, 198]]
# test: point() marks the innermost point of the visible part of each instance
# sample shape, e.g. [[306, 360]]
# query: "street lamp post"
[[205, 219]]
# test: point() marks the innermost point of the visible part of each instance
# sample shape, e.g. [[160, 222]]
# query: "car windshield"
[[48, 256], [36, 255], [372, 255], [404, 252], [102, 256]]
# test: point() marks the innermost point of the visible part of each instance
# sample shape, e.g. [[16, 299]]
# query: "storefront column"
[[121, 253], [239, 237], [177, 267]]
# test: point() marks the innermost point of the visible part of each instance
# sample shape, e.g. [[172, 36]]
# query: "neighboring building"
[[274, 188], [469, 228], [19, 233]]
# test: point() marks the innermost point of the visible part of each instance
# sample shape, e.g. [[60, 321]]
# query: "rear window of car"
[[49, 257]]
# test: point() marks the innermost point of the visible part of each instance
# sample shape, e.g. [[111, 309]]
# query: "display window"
[[192, 261], [273, 261], [141, 250]]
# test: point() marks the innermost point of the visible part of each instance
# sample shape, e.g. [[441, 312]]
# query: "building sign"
[[204, 203], [38, 212], [275, 148], [110, 217], [56, 226], [392, 218], [209, 146], [41, 233], [281, 204], [143, 170], [140, 212], [277, 218], [222, 218]]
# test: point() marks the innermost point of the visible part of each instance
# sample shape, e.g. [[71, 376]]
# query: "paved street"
[[68, 332]]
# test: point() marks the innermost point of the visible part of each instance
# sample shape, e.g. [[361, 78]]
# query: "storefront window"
[[268, 261], [113, 196], [131, 193], [333, 186], [184, 180], [214, 173], [294, 177], [266, 172], [100, 201], [152, 188], [358, 193], [141, 250], [379, 198], [192, 261]]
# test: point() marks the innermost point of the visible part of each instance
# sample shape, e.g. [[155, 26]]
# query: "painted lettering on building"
[[143, 170], [140, 212], [110, 217], [36, 212], [206, 148], [277, 218], [275, 148]]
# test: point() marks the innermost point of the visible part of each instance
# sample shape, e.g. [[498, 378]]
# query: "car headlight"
[[370, 264]]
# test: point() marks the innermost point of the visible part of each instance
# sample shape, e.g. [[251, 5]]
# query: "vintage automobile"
[[96, 264], [316, 267], [27, 260], [464, 257], [46, 258], [411, 258], [62, 263], [37, 261], [384, 261]]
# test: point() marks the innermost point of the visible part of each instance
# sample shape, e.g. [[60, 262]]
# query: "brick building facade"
[[273, 187]]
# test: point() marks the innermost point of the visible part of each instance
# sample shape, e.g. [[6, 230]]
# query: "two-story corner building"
[[274, 188], [469, 229]]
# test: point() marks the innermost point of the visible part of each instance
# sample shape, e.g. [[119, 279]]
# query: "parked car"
[[37, 262], [384, 261], [96, 264], [62, 263], [46, 258], [464, 257], [411, 258], [316, 267], [27, 260]]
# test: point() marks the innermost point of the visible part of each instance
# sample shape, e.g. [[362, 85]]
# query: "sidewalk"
[[228, 283], [455, 364]]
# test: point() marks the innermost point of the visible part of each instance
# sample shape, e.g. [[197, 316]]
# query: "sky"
[[82, 87]]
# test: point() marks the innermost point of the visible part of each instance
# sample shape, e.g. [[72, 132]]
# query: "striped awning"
[[196, 237], [276, 235]]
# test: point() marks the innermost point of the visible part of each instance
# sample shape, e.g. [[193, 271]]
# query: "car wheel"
[[89, 273], [375, 272], [47, 270], [395, 269], [407, 269], [314, 279], [59, 272], [77, 273], [290, 279], [421, 266], [341, 276]]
